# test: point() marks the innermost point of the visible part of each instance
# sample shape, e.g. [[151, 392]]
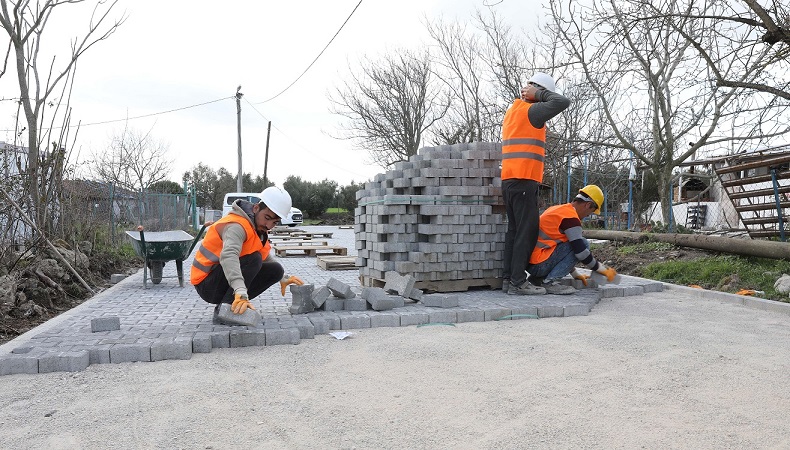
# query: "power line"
[[316, 58], [140, 117], [303, 148]]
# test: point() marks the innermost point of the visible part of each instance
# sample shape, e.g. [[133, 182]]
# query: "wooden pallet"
[[310, 243], [332, 262], [311, 235], [442, 285], [309, 250]]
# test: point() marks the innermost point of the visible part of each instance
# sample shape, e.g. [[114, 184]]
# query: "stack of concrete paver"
[[438, 217]]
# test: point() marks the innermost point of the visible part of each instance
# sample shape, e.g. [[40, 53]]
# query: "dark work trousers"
[[258, 274], [523, 219]]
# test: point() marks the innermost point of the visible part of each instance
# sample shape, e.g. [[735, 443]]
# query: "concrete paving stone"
[[408, 318], [629, 291], [340, 289], [397, 283], [282, 336], [247, 338], [11, 364], [470, 315], [306, 330], [165, 349], [334, 304], [320, 295], [611, 292], [250, 317], [111, 323], [575, 310], [653, 287], [220, 339], [121, 353], [320, 326], [381, 303], [350, 322], [384, 319], [440, 300], [442, 316], [494, 312], [100, 354], [355, 304], [546, 311], [523, 310], [331, 318], [64, 362]]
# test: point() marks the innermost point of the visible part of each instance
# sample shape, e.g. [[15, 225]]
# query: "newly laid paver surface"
[[166, 321]]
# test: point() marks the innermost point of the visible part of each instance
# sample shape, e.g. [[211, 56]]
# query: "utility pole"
[[238, 127], [266, 160]]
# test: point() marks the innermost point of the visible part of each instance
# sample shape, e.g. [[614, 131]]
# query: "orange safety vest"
[[549, 235], [523, 146], [207, 255]]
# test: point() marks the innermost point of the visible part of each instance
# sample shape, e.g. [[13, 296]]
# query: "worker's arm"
[[233, 236], [547, 105], [572, 228]]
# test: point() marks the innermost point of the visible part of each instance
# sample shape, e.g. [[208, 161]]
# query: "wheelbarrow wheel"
[[156, 271]]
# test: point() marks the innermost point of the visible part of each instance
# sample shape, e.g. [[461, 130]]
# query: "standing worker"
[[232, 264], [523, 151], [561, 246]]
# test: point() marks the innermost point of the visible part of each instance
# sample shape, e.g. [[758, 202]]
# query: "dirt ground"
[[632, 263]]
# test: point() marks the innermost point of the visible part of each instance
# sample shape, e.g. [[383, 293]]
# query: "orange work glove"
[[578, 276], [240, 304], [289, 279], [608, 272]]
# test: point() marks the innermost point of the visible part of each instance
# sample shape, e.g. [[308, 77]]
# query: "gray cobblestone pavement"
[[166, 321]]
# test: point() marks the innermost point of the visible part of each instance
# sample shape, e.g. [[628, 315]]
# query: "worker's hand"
[[240, 304], [289, 279], [608, 272], [578, 276]]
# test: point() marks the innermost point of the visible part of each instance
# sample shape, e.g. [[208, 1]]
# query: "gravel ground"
[[663, 370]]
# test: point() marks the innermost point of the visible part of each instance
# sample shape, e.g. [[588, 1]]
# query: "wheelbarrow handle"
[[197, 238]]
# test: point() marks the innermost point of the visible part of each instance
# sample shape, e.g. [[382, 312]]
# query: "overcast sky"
[[171, 54]]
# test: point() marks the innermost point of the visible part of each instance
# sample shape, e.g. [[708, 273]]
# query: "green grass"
[[723, 273], [336, 210], [635, 249]]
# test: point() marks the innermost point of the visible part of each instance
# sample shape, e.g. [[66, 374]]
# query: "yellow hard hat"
[[594, 193]]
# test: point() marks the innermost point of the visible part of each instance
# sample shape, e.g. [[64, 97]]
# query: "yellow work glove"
[[578, 276], [240, 304], [289, 279], [608, 272]]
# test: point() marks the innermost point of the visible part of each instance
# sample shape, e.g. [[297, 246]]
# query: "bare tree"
[[134, 160], [653, 88], [25, 22], [390, 106], [748, 40]]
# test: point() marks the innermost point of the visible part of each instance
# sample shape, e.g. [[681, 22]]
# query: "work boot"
[[557, 288], [526, 289]]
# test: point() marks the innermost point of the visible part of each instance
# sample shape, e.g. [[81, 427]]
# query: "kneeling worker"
[[232, 264], [561, 245]]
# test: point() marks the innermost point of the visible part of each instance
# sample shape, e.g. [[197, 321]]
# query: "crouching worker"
[[232, 264], [561, 245]]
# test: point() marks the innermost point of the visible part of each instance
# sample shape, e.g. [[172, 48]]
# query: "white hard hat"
[[278, 200], [544, 80]]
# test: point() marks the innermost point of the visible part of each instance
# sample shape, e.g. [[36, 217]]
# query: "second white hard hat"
[[278, 200], [544, 80]]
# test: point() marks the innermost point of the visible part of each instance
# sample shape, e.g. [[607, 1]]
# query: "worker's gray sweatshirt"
[[233, 237]]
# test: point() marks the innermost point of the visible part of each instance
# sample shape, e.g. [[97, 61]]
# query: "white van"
[[294, 217]]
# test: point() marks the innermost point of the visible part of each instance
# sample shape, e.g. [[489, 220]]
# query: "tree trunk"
[[746, 247]]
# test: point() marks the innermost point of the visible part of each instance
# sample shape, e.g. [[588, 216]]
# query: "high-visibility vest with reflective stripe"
[[207, 255], [549, 235], [523, 146]]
